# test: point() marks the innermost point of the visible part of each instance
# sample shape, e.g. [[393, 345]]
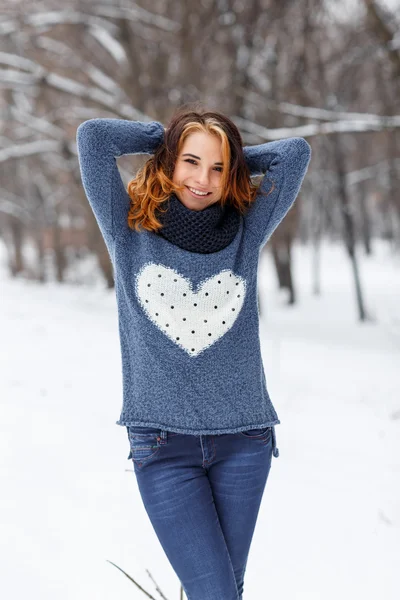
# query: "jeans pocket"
[[144, 443], [261, 433]]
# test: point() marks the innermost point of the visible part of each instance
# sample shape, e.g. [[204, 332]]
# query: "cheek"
[[179, 174], [217, 180]]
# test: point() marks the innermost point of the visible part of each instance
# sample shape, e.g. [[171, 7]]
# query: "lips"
[[198, 195]]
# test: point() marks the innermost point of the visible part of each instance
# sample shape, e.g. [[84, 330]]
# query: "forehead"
[[203, 145]]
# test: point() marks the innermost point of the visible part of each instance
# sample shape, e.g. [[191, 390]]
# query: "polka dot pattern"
[[194, 320]]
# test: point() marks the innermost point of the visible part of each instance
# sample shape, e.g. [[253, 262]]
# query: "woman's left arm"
[[284, 164]]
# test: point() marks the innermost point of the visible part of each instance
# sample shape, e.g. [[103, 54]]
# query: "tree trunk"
[[348, 223], [16, 237]]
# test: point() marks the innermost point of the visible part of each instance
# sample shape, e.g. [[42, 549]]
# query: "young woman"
[[184, 240]]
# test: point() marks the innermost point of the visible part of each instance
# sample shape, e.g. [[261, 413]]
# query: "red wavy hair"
[[153, 185]]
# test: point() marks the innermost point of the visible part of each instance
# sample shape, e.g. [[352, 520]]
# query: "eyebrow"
[[198, 158]]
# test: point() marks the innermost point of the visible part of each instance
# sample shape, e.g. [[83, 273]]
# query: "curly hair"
[[153, 184]]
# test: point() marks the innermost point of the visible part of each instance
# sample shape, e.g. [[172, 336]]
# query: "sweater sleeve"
[[99, 142], [284, 164]]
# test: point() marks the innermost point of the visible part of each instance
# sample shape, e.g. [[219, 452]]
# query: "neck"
[[204, 231]]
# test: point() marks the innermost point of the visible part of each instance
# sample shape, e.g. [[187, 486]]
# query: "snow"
[[329, 522]]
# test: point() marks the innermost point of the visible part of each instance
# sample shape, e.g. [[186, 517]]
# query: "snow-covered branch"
[[313, 129], [25, 64], [137, 13], [370, 172], [320, 178], [38, 124], [37, 147], [102, 30], [68, 55], [311, 112], [64, 17], [110, 44], [12, 207], [51, 18], [38, 75]]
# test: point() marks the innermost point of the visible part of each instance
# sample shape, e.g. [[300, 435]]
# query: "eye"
[[193, 162]]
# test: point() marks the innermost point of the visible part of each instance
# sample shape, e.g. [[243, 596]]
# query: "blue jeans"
[[202, 495]]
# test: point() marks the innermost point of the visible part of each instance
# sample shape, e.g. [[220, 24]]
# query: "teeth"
[[197, 192]]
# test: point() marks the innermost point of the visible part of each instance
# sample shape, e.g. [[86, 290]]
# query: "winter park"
[[200, 300]]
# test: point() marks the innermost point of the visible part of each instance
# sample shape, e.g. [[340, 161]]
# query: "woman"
[[184, 240]]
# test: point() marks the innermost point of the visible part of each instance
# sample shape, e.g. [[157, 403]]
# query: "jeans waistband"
[[163, 438]]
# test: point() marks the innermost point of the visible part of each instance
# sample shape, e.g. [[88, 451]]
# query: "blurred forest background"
[[328, 71]]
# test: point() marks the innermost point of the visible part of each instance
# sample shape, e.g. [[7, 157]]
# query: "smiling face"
[[199, 168]]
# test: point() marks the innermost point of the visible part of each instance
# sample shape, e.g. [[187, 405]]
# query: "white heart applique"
[[193, 320]]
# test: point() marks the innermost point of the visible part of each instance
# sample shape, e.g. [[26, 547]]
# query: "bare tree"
[[278, 69]]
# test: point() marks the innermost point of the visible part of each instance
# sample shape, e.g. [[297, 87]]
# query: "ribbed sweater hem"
[[189, 431]]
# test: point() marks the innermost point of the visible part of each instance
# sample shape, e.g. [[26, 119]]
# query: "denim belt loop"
[[275, 450], [163, 437]]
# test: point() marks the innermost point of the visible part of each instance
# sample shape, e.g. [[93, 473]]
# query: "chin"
[[191, 205], [189, 202]]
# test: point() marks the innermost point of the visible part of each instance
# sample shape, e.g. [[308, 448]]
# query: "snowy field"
[[329, 524]]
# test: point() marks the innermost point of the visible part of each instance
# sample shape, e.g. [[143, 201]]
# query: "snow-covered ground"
[[329, 525]]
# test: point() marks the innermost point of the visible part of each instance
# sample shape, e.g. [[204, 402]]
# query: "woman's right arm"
[[99, 142]]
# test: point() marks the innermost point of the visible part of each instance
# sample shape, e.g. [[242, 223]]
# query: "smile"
[[197, 192]]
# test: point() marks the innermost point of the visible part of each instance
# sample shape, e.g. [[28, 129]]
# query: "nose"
[[203, 178]]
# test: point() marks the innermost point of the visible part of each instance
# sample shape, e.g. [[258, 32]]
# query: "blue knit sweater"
[[188, 322]]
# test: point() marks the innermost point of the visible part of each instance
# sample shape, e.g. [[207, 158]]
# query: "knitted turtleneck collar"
[[204, 231]]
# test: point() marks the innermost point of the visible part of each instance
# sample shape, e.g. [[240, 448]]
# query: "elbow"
[[307, 149], [302, 154], [86, 127], [303, 147], [83, 131], [89, 132]]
